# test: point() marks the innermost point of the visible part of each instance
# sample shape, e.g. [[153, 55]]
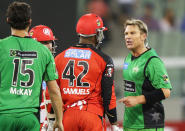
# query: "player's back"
[[23, 63], [80, 70]]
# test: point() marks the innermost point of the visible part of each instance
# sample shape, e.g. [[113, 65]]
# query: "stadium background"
[[62, 16]]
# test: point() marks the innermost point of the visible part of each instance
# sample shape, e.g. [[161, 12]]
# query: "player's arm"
[[108, 92], [56, 101], [158, 78], [153, 96]]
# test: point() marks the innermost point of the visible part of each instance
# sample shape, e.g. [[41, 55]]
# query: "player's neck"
[[87, 41], [20, 33], [139, 51]]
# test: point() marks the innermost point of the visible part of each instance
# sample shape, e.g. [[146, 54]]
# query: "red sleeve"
[[108, 91], [113, 99]]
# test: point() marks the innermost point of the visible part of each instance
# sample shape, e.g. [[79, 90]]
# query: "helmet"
[[91, 25], [42, 33]]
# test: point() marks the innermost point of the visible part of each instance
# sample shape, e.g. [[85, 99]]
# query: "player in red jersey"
[[44, 35], [86, 80]]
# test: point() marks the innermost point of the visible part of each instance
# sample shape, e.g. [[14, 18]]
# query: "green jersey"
[[25, 63], [141, 74]]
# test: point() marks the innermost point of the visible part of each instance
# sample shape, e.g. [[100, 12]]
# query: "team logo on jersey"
[[109, 71], [165, 78], [135, 69], [125, 66]]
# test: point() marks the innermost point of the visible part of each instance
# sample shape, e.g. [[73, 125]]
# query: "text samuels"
[[76, 91], [130, 86]]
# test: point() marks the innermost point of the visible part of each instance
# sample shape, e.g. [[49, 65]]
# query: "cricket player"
[[25, 63]]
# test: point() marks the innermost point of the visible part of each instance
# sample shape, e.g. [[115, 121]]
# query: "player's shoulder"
[[39, 47], [5, 39], [61, 54], [103, 55], [155, 60], [153, 56], [151, 52], [35, 42]]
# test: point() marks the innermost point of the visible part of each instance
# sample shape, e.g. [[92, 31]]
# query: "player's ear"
[[143, 36]]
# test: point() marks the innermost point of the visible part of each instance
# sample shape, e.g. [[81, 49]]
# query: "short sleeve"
[[157, 74], [50, 72]]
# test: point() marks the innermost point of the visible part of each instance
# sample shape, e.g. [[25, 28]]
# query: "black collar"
[[22, 37], [134, 57], [84, 45]]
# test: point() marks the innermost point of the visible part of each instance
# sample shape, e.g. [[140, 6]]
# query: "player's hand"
[[129, 101], [58, 125]]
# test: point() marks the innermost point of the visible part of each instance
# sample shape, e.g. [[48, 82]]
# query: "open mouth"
[[129, 42]]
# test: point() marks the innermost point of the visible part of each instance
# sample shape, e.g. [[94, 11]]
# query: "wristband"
[[154, 96]]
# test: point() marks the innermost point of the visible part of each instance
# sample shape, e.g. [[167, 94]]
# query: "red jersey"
[[86, 80]]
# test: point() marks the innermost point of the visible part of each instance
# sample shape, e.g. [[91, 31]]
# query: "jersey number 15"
[[24, 71]]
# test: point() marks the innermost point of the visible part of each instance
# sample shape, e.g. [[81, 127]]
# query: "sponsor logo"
[[25, 54], [78, 103], [130, 86], [78, 53]]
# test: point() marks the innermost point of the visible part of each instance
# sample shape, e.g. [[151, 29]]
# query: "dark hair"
[[19, 15]]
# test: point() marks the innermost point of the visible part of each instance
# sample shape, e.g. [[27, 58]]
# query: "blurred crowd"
[[166, 20]]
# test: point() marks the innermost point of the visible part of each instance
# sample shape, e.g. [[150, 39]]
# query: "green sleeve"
[[50, 73], [157, 74]]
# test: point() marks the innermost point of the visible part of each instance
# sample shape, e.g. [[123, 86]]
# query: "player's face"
[[134, 39]]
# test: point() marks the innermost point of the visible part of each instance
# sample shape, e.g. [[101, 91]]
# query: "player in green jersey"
[[146, 81], [25, 63]]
